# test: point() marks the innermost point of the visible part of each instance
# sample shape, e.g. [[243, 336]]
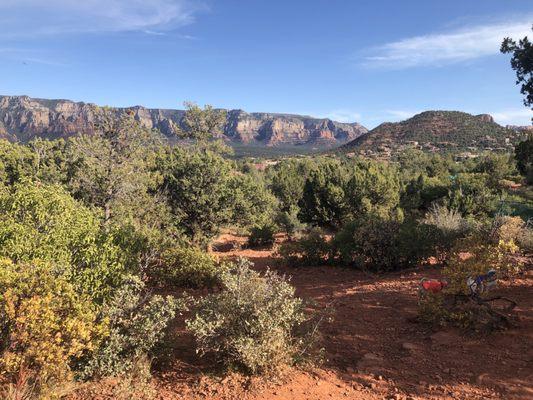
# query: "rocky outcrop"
[[485, 117], [23, 118]]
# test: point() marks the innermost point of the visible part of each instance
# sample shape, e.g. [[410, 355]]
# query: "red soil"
[[373, 351]]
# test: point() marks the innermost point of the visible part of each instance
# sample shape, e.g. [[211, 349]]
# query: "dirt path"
[[372, 350]]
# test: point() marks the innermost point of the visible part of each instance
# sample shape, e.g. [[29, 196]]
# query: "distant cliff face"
[[23, 118]]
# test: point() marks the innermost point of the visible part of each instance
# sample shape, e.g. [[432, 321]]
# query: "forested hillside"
[[437, 132]]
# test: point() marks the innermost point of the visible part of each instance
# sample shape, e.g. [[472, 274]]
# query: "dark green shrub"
[[323, 200], [524, 157], [472, 195], [251, 202], [198, 190], [368, 243], [289, 223], [254, 324], [311, 249], [262, 235], [381, 244]]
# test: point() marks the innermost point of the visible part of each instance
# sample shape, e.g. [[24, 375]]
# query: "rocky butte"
[[23, 118]]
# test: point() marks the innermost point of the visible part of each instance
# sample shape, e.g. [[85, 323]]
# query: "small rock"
[[481, 378], [409, 346], [371, 356]]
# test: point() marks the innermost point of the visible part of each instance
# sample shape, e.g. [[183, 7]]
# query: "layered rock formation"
[[23, 118]]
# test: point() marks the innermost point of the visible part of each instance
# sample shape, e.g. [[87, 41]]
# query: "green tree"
[[289, 223], [323, 199], [496, 166], [415, 162], [16, 162], [198, 191], [200, 124], [40, 160], [51, 163], [472, 195], [43, 222], [252, 203], [522, 63], [418, 194], [524, 157], [373, 188], [114, 162], [287, 180]]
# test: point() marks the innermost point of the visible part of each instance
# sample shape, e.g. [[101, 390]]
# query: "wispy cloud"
[[519, 116], [459, 45], [400, 115], [155, 33], [22, 18], [30, 56], [342, 115]]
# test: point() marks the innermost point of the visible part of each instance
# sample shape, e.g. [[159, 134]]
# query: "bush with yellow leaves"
[[44, 324], [474, 256], [471, 257], [512, 230]]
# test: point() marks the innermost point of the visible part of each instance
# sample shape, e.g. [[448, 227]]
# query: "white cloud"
[[445, 48], [342, 115], [519, 116], [400, 115], [29, 56], [20, 18]]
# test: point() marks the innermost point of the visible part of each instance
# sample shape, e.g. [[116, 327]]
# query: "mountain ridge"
[[436, 131], [23, 118]]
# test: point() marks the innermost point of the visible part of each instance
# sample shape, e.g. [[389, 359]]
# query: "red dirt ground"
[[372, 350]]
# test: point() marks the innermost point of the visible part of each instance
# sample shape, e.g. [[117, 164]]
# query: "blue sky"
[[365, 61]]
